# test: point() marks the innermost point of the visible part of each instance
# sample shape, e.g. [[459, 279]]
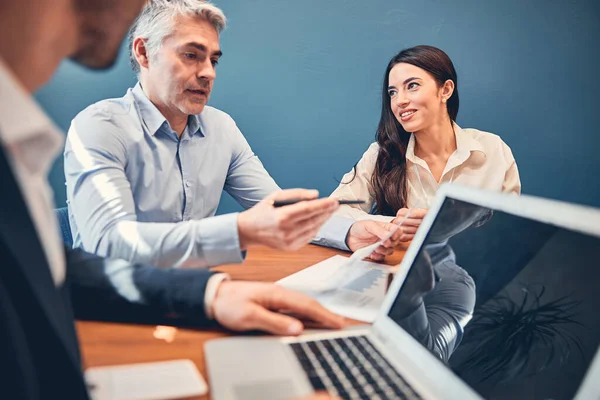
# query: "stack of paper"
[[349, 287]]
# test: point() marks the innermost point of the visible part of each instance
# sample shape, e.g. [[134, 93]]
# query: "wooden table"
[[112, 344]]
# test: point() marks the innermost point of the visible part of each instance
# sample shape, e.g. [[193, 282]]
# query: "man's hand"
[[366, 232], [289, 227], [243, 306], [410, 224]]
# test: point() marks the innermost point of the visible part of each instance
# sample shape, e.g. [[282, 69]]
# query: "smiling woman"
[[419, 145]]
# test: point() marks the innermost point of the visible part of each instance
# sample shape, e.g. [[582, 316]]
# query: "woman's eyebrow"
[[410, 79]]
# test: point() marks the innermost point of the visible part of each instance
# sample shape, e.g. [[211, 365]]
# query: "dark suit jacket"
[[39, 355]]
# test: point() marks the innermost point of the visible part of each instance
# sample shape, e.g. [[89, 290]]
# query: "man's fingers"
[[293, 194], [409, 229], [305, 238], [305, 231], [380, 231], [313, 224], [376, 256], [384, 251], [401, 235], [407, 237], [416, 213], [415, 218], [414, 222], [398, 231], [308, 209], [303, 306], [310, 235], [419, 212], [275, 323]]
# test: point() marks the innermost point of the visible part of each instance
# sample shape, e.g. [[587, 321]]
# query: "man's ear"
[[140, 52]]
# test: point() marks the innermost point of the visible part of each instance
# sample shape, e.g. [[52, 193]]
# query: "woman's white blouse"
[[481, 160]]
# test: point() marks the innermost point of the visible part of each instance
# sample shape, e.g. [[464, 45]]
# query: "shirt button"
[[187, 184]]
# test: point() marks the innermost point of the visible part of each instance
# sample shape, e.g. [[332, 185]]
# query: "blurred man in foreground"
[[39, 280]]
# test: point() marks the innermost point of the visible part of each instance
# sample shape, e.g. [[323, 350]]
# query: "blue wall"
[[302, 80]]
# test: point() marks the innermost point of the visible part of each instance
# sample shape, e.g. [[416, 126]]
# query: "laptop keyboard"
[[351, 368]]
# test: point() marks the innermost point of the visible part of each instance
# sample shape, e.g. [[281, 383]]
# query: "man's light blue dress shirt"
[[138, 192]]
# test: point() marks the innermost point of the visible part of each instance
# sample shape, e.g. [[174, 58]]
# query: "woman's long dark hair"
[[389, 177]]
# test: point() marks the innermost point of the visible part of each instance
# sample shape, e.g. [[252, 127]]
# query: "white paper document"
[[349, 287], [147, 381]]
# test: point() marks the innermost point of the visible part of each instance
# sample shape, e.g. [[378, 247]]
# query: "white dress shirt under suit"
[[32, 142]]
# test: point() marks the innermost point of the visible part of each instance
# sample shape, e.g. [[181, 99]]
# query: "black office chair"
[[63, 218]]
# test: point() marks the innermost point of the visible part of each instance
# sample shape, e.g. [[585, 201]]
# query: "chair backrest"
[[63, 218]]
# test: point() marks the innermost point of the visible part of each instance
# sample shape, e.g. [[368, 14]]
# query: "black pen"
[[281, 203]]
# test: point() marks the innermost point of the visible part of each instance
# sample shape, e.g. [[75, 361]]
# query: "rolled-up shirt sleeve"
[[101, 204]]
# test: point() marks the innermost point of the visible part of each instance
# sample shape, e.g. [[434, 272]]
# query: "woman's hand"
[[411, 223], [365, 233]]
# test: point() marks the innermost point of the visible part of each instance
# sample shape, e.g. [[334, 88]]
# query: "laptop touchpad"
[[254, 368], [273, 389]]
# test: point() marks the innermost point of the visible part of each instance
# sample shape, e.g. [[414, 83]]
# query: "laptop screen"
[[508, 303]]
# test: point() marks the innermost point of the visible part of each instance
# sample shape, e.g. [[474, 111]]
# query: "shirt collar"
[[194, 126], [22, 120], [154, 119], [465, 144]]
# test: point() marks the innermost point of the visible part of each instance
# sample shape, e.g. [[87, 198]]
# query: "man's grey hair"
[[156, 22]]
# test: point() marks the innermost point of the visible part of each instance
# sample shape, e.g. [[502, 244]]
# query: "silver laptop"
[[496, 298]]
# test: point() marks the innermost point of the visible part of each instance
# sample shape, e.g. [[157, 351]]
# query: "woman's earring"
[[443, 100]]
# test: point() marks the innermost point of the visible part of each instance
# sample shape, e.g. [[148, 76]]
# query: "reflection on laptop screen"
[[510, 304]]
